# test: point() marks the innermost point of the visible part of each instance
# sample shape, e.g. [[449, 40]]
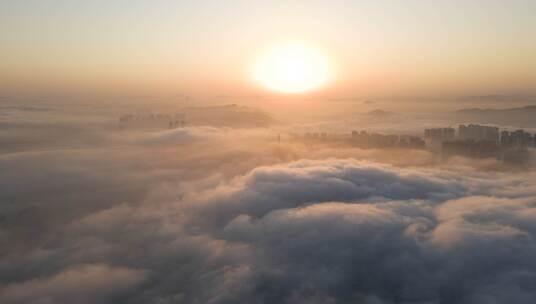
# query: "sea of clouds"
[[208, 215]]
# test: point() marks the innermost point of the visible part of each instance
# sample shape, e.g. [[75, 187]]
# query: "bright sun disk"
[[292, 68]]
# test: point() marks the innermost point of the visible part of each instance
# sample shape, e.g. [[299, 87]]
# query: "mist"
[[220, 209]]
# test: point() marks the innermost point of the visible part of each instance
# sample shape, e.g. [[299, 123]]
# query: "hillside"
[[523, 117]]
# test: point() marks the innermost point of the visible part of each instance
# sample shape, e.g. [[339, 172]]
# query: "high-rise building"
[[442, 134], [506, 138], [478, 132]]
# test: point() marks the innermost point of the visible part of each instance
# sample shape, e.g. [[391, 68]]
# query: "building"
[[442, 134], [478, 132], [471, 148], [435, 137], [517, 138]]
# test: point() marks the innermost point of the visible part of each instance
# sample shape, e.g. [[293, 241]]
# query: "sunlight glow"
[[292, 68]]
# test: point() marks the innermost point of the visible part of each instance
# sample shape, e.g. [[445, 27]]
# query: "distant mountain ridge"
[[522, 117], [380, 112], [501, 98], [531, 108]]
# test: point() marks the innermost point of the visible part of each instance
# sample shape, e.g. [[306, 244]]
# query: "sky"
[[377, 48]]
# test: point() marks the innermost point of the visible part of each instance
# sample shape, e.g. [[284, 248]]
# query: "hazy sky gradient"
[[380, 48]]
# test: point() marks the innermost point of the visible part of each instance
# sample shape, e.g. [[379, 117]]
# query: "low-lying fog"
[[224, 206]]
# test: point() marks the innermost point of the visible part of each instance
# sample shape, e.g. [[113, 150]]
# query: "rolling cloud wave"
[[99, 226]]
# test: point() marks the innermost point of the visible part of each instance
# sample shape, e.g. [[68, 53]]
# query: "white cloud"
[[194, 217]]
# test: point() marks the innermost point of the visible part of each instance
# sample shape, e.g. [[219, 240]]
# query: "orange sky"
[[385, 48]]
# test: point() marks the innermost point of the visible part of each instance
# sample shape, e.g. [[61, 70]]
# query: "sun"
[[292, 68]]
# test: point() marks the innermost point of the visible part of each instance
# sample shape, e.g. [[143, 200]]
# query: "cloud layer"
[[217, 216]]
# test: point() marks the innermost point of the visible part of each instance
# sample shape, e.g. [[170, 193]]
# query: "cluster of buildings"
[[478, 141], [478, 132], [441, 134], [375, 140], [152, 121], [474, 132], [473, 141], [518, 138], [366, 140]]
